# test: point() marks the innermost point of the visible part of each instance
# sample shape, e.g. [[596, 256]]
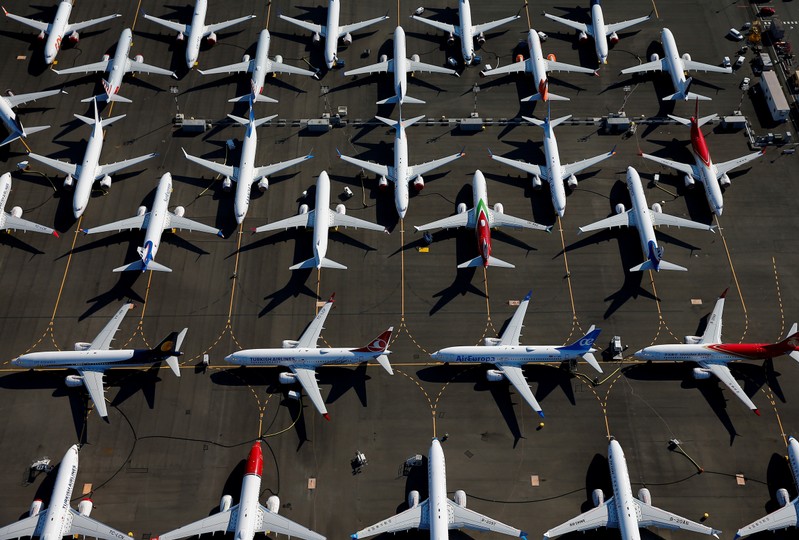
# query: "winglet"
[[4, 11], [529, 295], [613, 150], [756, 411], [354, 536], [549, 229], [523, 535], [338, 152], [327, 417], [541, 414], [220, 234], [332, 298], [55, 233], [724, 294], [490, 153], [84, 231]]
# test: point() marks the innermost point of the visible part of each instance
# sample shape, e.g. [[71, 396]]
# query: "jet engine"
[[414, 58], [278, 59], [289, 343], [461, 208], [418, 184], [287, 378], [16, 211], [73, 381], [341, 209], [36, 507], [413, 499], [316, 37], [106, 58], [725, 180], [273, 504], [82, 346], [613, 38], [689, 181], [481, 38], [382, 183], [303, 209], [74, 37], [572, 182], [41, 36], [552, 58], [245, 58], [180, 211], [105, 183], [691, 340], [69, 181], [620, 208], [180, 36], [644, 496], [686, 57], [141, 211], [85, 507], [225, 503], [450, 39], [263, 184], [347, 39], [460, 498], [491, 341], [499, 209], [657, 208], [139, 58], [701, 374], [783, 497], [582, 37], [212, 38], [598, 497], [227, 184], [654, 57], [536, 182], [494, 375]]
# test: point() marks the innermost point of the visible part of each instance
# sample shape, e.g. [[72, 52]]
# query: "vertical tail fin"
[[583, 348], [789, 345], [380, 345], [171, 345]]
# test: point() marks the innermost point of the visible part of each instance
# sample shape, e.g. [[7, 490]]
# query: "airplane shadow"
[[295, 286]]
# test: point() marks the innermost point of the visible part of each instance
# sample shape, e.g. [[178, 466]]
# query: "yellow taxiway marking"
[[235, 272], [734, 277], [575, 323], [655, 9], [66, 270]]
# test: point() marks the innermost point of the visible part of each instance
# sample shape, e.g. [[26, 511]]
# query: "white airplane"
[[401, 173], [623, 511], [9, 117], [246, 174], [711, 176], [117, 67], [321, 218], [676, 66], [481, 218], [509, 356], [602, 33], [400, 66], [156, 221], [13, 220], [89, 170], [553, 172], [332, 31], [466, 31], [91, 360], [195, 31], [538, 66], [259, 67], [59, 29], [60, 519], [645, 220], [437, 513], [303, 356], [786, 516], [712, 356], [248, 516]]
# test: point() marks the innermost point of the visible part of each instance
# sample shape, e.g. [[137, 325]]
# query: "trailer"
[[774, 96]]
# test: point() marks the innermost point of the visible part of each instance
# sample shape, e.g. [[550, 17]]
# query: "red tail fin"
[[789, 344], [378, 344]]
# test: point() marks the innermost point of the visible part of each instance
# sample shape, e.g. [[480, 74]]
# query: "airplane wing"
[[722, 372], [713, 329], [659, 218], [61, 166], [424, 168], [529, 168], [311, 27], [580, 27], [293, 222], [186, 224], [103, 340], [376, 168], [306, 376], [684, 168], [601, 516], [309, 338], [78, 27], [421, 67], [354, 27], [280, 67], [497, 219], [619, 26], [516, 377], [141, 67], [657, 65], [87, 68], [343, 220], [463, 518], [230, 68], [513, 67], [89, 527], [218, 27], [19, 224], [625, 219], [28, 526], [176, 27], [218, 168], [272, 522], [485, 27], [779, 519], [412, 518], [269, 170], [451, 222], [93, 382], [20, 99], [727, 166], [652, 515], [380, 67], [221, 522], [38, 25], [514, 329], [553, 65], [136, 222], [693, 65], [111, 168], [444, 27], [577, 166]]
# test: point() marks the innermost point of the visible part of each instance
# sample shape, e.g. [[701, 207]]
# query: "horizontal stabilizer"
[[663, 265], [383, 361], [591, 359], [107, 97], [260, 98], [313, 263], [108, 121], [11, 138], [33, 129], [493, 261], [678, 96], [395, 99], [477, 261], [327, 263], [139, 265], [550, 95]]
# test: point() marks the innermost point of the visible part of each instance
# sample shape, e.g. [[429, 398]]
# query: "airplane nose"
[[639, 353], [435, 355]]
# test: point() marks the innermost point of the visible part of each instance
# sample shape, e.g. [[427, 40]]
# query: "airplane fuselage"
[[331, 30], [90, 359], [87, 171], [554, 170], [482, 222], [57, 517], [259, 68], [674, 61], [245, 173], [437, 485], [626, 508], [707, 171], [5, 190], [196, 31], [708, 353], [250, 489], [537, 63], [643, 217], [116, 69], [793, 458], [467, 36], [56, 31], [159, 214], [321, 218], [503, 354], [9, 117], [401, 177], [600, 33], [400, 64], [307, 356]]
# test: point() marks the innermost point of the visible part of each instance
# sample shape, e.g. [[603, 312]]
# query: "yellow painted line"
[[66, 269], [568, 277], [655, 8], [527, 11], [779, 299], [734, 277], [235, 272], [136, 15], [268, 13], [402, 265]]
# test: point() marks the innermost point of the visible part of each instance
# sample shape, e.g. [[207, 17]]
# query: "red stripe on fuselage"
[[255, 460], [698, 142], [483, 237], [752, 351]]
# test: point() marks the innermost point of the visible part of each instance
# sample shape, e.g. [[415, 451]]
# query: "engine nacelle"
[[73, 381], [536, 182], [347, 39], [82, 346], [316, 37], [85, 507], [583, 37], [689, 181], [341, 209], [105, 183], [289, 343], [263, 184], [644, 496], [139, 58], [460, 498], [418, 184], [382, 183], [69, 181], [273, 504], [572, 182], [246, 58], [461, 208], [106, 58], [613, 38], [36, 507], [686, 57], [227, 184], [481, 38], [620, 208], [413, 499], [491, 341], [657, 208], [494, 375], [414, 57], [691, 340], [725, 180], [783, 497], [552, 58], [303, 209], [499, 209], [74, 37], [654, 57], [598, 497], [287, 378], [212, 39], [225, 503], [141, 211], [16, 211], [180, 36], [180, 211], [701, 374], [450, 39]]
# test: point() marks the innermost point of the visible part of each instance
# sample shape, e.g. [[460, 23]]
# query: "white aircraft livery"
[[12, 221], [10, 119]]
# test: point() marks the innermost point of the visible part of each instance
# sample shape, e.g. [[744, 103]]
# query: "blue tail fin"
[[583, 344]]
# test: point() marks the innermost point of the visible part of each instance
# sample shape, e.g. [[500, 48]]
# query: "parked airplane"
[[303, 356], [676, 66], [437, 513], [248, 516], [711, 176], [13, 220], [117, 67], [89, 170], [400, 66], [59, 519], [786, 516], [553, 172], [597, 29], [321, 218], [259, 67], [712, 356], [507, 355], [156, 221], [91, 360], [195, 31], [332, 31], [246, 174], [401, 173], [538, 66], [481, 218], [623, 511], [645, 220], [59, 29], [465, 30], [9, 117]]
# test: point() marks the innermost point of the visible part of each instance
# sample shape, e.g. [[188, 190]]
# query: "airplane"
[[117, 67], [59, 29], [246, 174], [482, 218], [538, 66], [677, 66], [303, 356], [195, 31], [645, 220], [259, 67], [156, 221], [321, 218], [602, 33], [9, 117], [89, 170], [712, 356], [248, 516], [59, 519], [13, 220], [437, 513], [624, 511], [91, 360], [509, 356], [400, 66], [786, 516], [711, 176], [465, 30], [401, 173], [332, 31], [553, 172]]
